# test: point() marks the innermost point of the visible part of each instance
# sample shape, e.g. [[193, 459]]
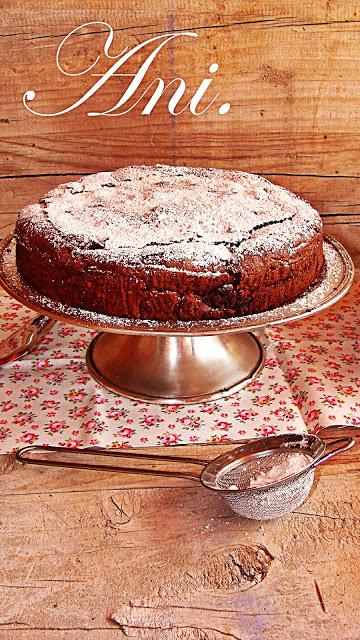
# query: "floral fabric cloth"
[[311, 378]]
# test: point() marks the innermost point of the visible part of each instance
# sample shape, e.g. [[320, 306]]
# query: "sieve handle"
[[341, 444], [24, 456]]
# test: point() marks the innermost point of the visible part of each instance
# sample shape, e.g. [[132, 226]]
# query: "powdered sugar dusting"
[[285, 466], [202, 215]]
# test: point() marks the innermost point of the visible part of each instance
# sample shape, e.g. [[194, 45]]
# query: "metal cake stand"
[[180, 362]]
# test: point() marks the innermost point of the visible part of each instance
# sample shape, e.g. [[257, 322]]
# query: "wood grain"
[[289, 70], [180, 565]]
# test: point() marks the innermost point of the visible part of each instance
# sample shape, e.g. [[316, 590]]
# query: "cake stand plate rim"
[[12, 282]]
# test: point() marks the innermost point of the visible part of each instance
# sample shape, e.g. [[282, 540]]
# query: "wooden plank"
[[349, 236], [209, 13], [331, 196], [60, 634], [75, 151], [89, 561]]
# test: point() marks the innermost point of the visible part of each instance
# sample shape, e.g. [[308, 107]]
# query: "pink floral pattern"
[[320, 359], [311, 379]]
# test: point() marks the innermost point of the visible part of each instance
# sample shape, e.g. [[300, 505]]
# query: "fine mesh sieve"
[[231, 473], [259, 456], [271, 500]]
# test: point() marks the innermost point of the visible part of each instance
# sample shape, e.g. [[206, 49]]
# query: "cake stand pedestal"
[[180, 362], [169, 369]]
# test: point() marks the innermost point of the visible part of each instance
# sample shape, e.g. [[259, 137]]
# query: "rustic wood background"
[[80, 559], [289, 69]]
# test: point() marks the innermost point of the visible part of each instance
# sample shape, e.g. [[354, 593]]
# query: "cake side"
[[203, 244]]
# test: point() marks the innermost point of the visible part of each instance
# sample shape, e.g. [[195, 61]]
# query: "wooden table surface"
[[99, 555]]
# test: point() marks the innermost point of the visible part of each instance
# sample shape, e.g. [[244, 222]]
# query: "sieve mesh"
[[264, 503]]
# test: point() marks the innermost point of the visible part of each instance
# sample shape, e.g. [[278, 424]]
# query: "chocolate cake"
[[169, 243]]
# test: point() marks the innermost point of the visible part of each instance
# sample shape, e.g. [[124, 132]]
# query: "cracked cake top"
[[206, 216]]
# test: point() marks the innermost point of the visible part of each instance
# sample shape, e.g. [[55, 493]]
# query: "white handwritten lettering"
[[137, 79]]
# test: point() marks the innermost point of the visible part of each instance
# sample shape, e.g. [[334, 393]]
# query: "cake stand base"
[[175, 369]]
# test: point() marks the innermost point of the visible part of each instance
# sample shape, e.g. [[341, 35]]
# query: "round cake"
[[167, 243]]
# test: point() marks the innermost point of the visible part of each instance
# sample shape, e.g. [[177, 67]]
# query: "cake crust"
[[170, 243]]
